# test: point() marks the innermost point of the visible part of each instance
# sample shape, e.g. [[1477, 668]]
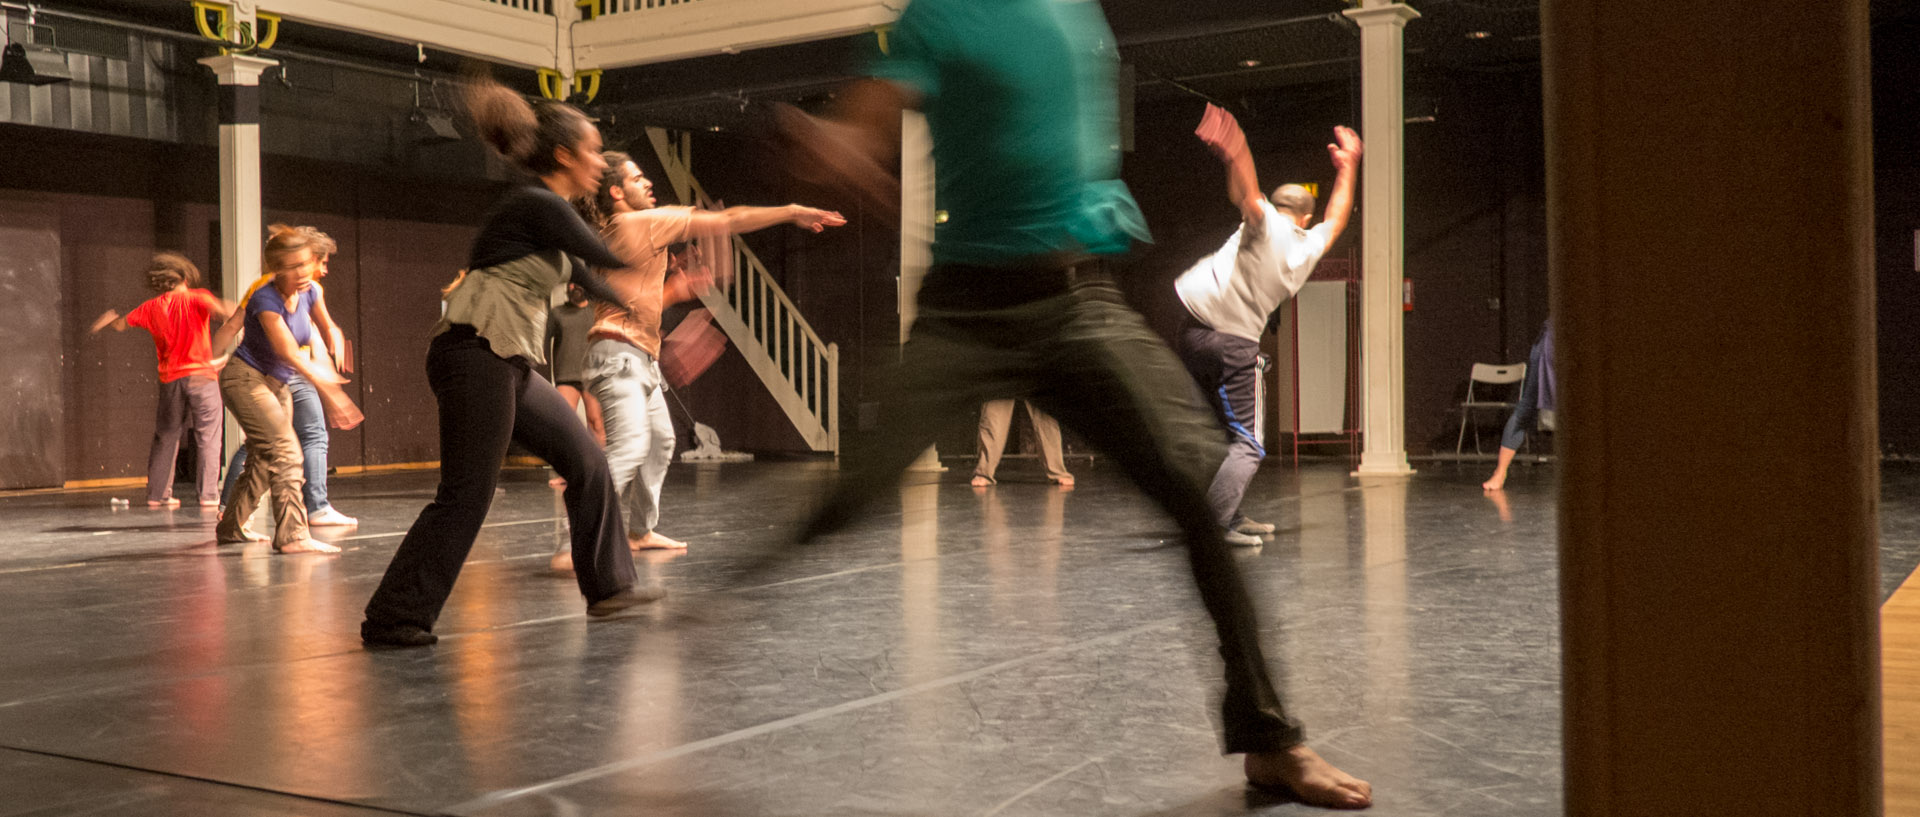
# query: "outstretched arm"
[[749, 219], [854, 149], [1222, 134], [1345, 152], [108, 318]]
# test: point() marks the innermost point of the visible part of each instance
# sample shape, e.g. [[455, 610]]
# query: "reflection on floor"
[[1018, 650]]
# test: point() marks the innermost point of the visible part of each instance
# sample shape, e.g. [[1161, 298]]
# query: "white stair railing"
[[800, 370]]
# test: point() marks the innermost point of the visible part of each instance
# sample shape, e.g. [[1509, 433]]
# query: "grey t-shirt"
[[567, 328]]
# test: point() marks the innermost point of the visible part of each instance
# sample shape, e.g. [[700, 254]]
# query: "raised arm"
[[1222, 134], [1345, 152]]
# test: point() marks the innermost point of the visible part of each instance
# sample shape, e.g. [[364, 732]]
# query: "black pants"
[[1227, 370], [1074, 348], [486, 402]]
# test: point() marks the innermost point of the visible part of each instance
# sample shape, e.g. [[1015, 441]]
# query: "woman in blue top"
[[482, 366], [278, 319]]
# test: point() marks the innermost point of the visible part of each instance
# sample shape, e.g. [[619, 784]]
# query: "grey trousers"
[[186, 403], [633, 408], [1070, 344], [996, 419]]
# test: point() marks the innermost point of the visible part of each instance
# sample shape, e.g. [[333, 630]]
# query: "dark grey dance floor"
[[1012, 651]]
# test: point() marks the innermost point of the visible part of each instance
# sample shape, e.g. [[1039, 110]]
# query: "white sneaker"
[[331, 516]]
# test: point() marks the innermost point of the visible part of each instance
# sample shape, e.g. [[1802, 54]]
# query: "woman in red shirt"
[[189, 395]]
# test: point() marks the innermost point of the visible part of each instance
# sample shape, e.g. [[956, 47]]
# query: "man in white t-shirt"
[[1230, 293]]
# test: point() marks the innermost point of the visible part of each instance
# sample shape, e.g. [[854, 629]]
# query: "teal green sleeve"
[[911, 57]]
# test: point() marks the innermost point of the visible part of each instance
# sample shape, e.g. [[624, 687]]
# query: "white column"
[[240, 229], [916, 233], [1382, 245]]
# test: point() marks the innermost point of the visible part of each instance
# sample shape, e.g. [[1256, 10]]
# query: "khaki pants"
[[996, 419], [264, 408]]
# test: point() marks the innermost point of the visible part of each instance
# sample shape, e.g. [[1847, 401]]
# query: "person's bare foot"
[[654, 541], [981, 482], [246, 535], [1308, 776], [561, 562], [306, 546], [1064, 482], [1495, 483], [171, 503], [556, 482]]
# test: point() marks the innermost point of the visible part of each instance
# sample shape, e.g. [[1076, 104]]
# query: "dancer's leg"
[[1114, 382], [996, 419], [477, 394], [264, 409], [310, 425], [169, 420], [552, 431], [1526, 413], [206, 408], [1052, 452], [653, 469]]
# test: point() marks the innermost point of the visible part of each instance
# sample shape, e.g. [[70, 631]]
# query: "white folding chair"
[[1485, 374]]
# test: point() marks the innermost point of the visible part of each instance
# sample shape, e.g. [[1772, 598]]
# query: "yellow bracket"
[[552, 85], [269, 26], [211, 28], [587, 83], [589, 9]]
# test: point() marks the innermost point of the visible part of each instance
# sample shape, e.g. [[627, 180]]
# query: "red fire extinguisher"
[[1406, 294]]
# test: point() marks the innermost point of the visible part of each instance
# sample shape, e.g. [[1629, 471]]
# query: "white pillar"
[[917, 213], [1382, 245], [240, 229]]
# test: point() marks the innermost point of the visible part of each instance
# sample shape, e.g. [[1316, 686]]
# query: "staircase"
[[801, 371]]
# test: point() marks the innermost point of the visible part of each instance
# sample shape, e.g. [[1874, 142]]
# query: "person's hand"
[[810, 218], [108, 317], [1346, 148], [1221, 133]]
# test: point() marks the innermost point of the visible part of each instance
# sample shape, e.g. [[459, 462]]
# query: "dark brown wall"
[[117, 201], [1896, 191]]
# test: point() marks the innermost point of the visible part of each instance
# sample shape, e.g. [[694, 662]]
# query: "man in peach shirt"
[[623, 368]]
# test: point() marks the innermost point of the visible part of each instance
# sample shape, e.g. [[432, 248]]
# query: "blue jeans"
[[1526, 413], [310, 425]]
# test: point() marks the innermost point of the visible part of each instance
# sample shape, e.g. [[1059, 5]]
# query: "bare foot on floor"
[[561, 562], [306, 546], [1498, 482], [1310, 777], [556, 482], [981, 482], [171, 503], [1065, 482], [654, 541]]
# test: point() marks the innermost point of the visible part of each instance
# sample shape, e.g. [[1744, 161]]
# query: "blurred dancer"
[[996, 420], [177, 318], [1019, 95], [1232, 292], [481, 365], [1536, 395], [623, 364]]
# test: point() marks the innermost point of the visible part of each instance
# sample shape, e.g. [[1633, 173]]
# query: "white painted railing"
[[608, 7], [798, 368]]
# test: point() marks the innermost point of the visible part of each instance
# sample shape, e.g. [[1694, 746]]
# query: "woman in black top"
[[481, 366]]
